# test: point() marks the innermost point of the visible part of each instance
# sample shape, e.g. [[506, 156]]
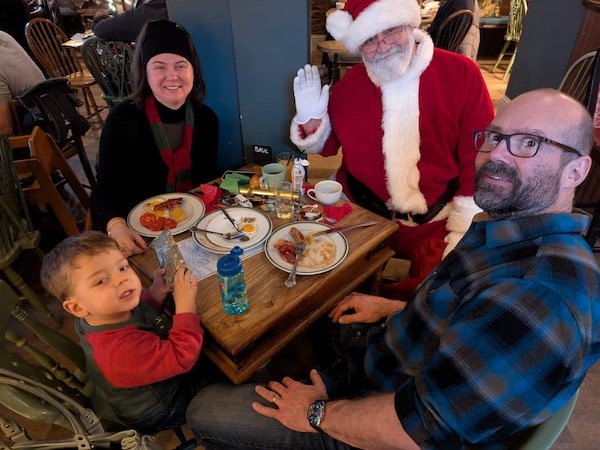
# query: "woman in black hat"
[[164, 139]]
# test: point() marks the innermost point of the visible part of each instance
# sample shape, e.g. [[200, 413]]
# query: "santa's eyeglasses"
[[522, 145], [390, 37]]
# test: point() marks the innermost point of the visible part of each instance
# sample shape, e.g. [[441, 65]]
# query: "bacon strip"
[[168, 204]]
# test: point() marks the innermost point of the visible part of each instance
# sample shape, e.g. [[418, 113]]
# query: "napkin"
[[209, 195], [232, 182], [335, 213]]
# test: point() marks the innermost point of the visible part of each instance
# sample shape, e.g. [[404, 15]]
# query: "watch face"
[[315, 413]]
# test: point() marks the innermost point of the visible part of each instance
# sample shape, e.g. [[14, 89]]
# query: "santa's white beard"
[[391, 65]]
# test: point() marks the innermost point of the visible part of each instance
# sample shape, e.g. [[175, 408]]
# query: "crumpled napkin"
[[209, 195], [334, 213]]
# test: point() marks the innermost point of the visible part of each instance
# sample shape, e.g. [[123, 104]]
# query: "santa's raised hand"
[[311, 98]]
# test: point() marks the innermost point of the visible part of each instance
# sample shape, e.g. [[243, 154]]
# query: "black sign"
[[262, 154]]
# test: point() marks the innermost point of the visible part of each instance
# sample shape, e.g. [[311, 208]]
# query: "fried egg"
[[319, 254], [149, 206], [249, 228], [248, 225], [176, 213]]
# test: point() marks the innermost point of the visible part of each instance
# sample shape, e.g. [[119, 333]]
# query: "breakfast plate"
[[254, 223], [191, 206], [326, 252]]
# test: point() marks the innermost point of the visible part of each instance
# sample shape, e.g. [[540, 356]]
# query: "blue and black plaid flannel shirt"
[[498, 337]]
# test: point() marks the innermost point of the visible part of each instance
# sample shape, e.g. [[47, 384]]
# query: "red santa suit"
[[405, 140]]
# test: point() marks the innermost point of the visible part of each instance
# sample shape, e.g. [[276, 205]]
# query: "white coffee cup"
[[326, 192]]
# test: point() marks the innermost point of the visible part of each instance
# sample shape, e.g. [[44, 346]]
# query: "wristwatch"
[[315, 413]]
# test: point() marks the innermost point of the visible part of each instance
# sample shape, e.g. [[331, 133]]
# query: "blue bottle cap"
[[230, 264]]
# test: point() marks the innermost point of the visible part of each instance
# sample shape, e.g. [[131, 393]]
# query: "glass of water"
[[284, 203]]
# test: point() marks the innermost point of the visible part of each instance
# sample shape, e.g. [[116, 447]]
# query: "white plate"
[[216, 221], [283, 232], [192, 206]]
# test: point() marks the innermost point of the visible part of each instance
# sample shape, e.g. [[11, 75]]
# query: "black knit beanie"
[[164, 36]]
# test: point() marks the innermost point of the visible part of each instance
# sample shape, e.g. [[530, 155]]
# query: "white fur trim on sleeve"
[[459, 221], [461, 215], [313, 143]]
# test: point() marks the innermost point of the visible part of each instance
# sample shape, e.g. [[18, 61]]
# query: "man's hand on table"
[[363, 308], [292, 400]]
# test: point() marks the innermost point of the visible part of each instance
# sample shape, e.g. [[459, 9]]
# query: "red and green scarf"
[[178, 161]]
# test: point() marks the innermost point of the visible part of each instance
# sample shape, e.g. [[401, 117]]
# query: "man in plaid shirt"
[[497, 339]]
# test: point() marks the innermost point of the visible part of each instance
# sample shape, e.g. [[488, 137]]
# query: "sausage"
[[296, 234]]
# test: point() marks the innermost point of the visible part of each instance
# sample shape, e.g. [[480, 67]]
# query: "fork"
[[291, 279], [230, 235], [243, 236]]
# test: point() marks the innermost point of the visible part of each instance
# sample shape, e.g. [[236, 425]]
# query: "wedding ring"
[[275, 397], [122, 249]]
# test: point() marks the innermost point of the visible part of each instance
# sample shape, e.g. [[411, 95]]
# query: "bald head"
[[568, 119], [509, 183]]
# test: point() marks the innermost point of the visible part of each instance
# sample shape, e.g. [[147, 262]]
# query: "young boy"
[[138, 364]]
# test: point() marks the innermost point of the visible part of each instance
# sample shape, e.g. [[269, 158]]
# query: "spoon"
[[229, 235]]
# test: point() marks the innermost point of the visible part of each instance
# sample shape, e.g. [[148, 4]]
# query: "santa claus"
[[404, 119]]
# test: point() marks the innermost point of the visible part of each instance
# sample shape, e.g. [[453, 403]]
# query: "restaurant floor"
[[582, 432]]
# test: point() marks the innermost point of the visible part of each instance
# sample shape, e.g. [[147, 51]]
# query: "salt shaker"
[[231, 282], [298, 176]]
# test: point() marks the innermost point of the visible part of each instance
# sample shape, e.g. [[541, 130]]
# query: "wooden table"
[[239, 345]]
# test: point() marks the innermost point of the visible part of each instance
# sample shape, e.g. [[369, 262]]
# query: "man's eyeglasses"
[[390, 37], [522, 145]]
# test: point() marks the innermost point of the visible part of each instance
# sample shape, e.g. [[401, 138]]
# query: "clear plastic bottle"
[[298, 176], [231, 282]]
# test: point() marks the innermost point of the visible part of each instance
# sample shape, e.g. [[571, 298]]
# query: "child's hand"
[[159, 289], [185, 288]]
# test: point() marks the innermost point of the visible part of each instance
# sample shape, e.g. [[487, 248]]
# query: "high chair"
[[46, 157]]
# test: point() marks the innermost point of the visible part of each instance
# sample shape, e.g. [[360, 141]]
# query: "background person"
[[18, 73], [496, 341], [404, 120], [163, 140], [127, 25], [13, 18], [139, 365], [470, 44]]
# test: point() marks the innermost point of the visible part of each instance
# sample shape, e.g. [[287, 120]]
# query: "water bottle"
[[231, 282], [298, 176]]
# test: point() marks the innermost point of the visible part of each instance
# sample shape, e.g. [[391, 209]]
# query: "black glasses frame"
[[506, 138]]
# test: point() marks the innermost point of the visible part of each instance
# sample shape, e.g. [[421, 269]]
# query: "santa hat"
[[363, 19]]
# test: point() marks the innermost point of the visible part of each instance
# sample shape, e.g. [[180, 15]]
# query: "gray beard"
[[526, 197], [390, 65]]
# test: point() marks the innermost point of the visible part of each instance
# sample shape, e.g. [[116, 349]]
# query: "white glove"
[[311, 98]]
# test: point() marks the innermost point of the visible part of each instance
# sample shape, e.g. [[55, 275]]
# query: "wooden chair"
[[45, 40], [577, 78], [109, 62], [51, 104], [16, 229], [516, 17], [582, 81], [453, 30], [47, 158], [15, 115]]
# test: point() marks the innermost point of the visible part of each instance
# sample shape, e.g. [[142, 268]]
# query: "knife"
[[344, 228], [244, 237]]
